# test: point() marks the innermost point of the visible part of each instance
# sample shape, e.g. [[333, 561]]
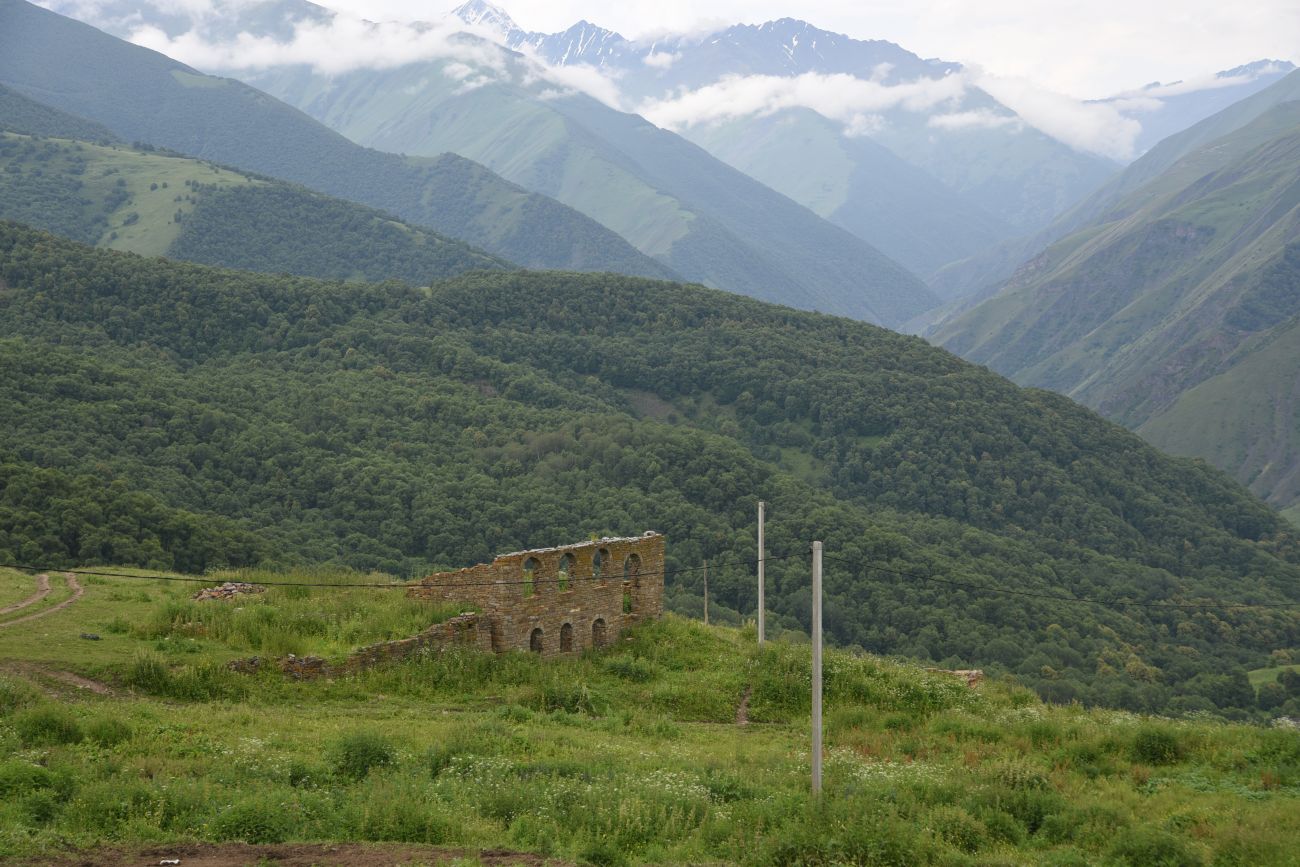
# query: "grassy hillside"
[[143, 96], [163, 204], [1178, 285], [383, 426], [674, 201], [630, 755]]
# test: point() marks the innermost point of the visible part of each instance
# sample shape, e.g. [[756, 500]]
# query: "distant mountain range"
[[913, 156], [1174, 303]]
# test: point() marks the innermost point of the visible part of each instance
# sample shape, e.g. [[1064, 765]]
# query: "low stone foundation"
[[460, 631]]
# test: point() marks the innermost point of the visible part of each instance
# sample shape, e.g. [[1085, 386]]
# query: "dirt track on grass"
[[295, 855], [73, 585], [42, 590]]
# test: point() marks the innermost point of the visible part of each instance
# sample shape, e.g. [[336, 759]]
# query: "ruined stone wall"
[[580, 596]]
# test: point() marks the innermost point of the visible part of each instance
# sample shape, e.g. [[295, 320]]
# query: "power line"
[[376, 586], [1056, 597]]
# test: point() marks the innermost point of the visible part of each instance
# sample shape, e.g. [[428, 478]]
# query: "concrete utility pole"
[[761, 557], [706, 592], [817, 668]]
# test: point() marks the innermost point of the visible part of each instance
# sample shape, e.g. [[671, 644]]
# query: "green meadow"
[[636, 754]]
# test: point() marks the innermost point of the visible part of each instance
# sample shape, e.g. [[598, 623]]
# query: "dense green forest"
[[145, 201], [381, 426]]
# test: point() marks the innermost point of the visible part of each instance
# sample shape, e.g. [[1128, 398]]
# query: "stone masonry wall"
[[555, 614]]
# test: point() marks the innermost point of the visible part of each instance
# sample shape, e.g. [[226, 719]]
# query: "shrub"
[[148, 673], [631, 669], [1156, 746], [1147, 847], [108, 731], [356, 754], [253, 821], [959, 828], [15, 695], [18, 778], [47, 726]]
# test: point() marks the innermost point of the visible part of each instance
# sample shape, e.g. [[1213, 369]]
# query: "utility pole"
[[762, 555], [817, 668], [706, 592]]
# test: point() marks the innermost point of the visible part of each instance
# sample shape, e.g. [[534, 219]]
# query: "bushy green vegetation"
[[399, 429], [632, 755]]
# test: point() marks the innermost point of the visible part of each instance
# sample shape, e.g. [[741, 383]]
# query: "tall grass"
[[328, 622]]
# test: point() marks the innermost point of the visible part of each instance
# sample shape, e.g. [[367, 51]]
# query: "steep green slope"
[[144, 96], [670, 198], [387, 426], [162, 204], [1172, 288], [22, 115]]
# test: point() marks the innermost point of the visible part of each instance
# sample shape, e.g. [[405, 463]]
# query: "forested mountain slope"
[[29, 117], [1179, 283], [156, 203], [384, 426], [143, 96]]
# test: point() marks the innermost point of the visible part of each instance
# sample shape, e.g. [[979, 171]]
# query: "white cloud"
[[981, 118], [660, 59], [1202, 82], [341, 44], [1091, 127], [840, 97], [345, 43]]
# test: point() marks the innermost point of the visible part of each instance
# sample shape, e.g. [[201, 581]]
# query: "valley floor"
[[142, 744]]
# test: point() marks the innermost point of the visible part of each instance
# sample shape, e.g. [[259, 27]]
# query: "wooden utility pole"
[[706, 592], [817, 668], [762, 555]]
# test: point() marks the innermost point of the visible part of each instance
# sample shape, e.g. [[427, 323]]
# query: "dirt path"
[[742, 710], [76, 589], [296, 855], [39, 673], [42, 590]]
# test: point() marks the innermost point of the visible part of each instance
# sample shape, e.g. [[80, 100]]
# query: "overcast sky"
[[1086, 48]]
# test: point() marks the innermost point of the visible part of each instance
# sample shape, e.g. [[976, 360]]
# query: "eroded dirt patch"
[[297, 855]]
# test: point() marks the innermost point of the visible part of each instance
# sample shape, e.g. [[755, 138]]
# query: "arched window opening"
[[531, 565], [598, 632], [567, 564], [566, 638], [632, 569], [535, 640], [599, 563]]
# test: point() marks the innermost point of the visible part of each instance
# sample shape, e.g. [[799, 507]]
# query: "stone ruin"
[[558, 600], [550, 601]]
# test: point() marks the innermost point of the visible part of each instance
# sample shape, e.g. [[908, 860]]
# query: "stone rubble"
[[229, 590]]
